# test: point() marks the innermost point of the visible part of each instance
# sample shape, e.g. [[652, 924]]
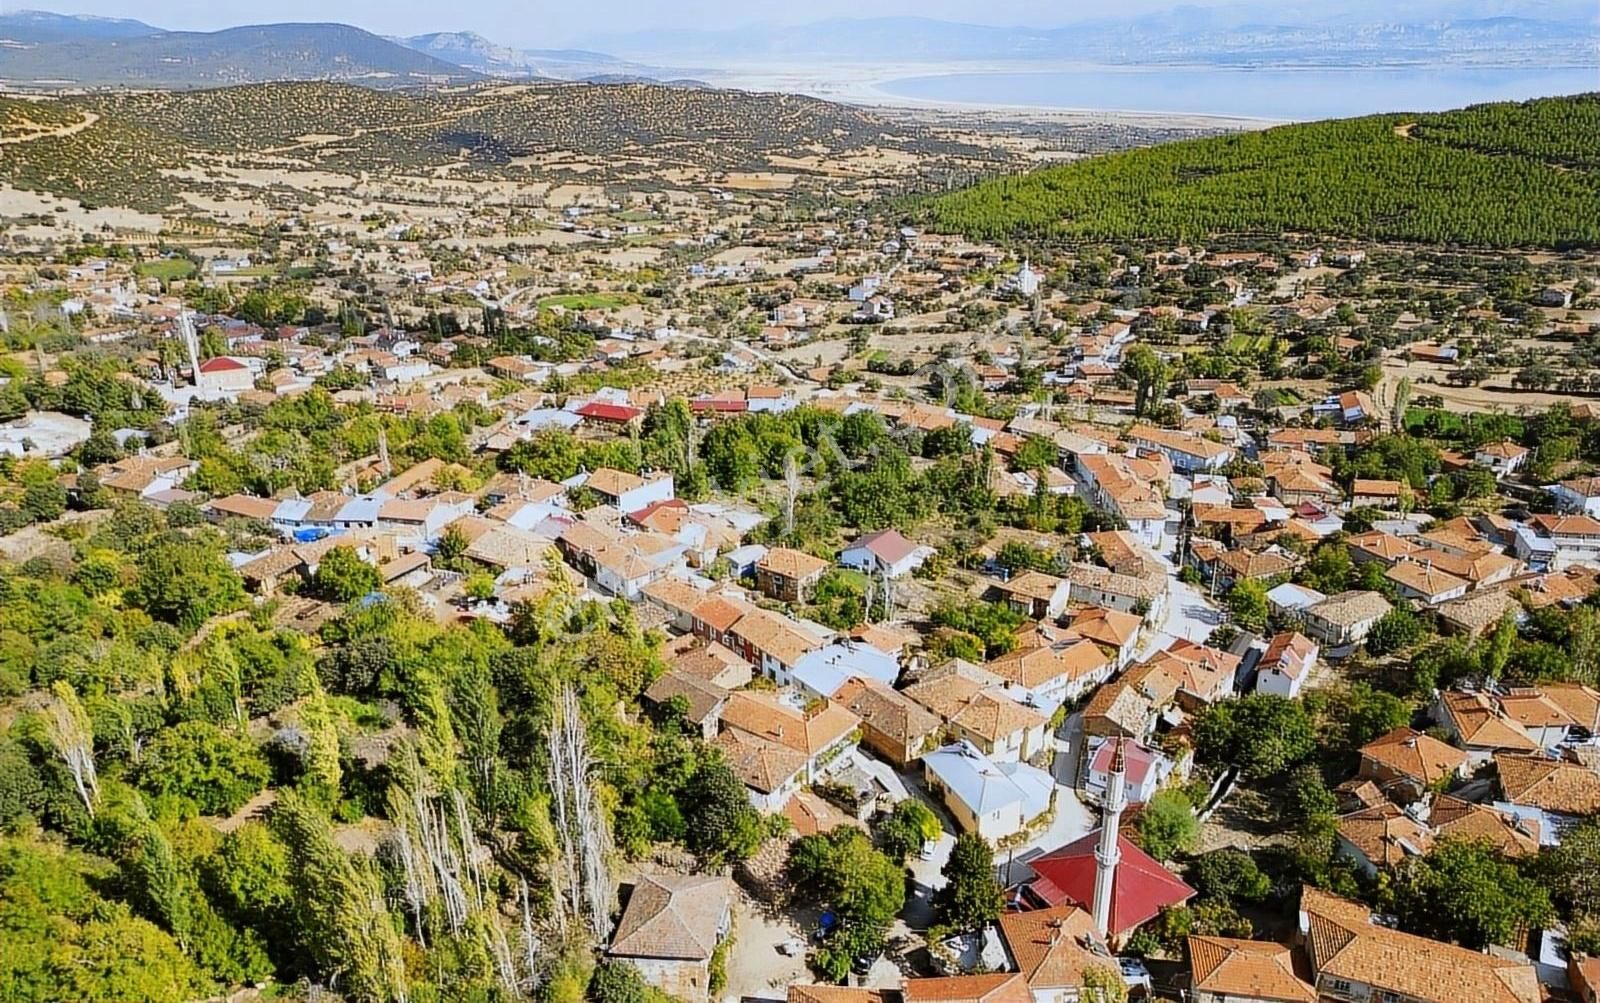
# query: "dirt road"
[[89, 118]]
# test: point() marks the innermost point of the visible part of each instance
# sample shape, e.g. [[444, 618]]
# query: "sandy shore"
[[863, 85]]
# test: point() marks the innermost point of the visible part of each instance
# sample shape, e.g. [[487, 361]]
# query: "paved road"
[[1188, 614]]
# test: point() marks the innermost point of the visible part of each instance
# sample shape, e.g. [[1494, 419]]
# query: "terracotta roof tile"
[[1344, 943], [1247, 969]]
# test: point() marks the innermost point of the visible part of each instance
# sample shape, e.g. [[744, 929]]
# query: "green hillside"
[[1502, 175]]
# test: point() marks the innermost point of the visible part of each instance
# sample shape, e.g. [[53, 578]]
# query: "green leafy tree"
[[45, 501], [863, 887], [339, 906], [162, 886], [185, 583], [1570, 873], [63, 941], [971, 896], [217, 770], [905, 829], [1397, 630], [1149, 375], [619, 982], [1465, 892], [1229, 875], [451, 550], [1167, 826], [1261, 733], [1247, 604], [342, 576], [722, 824]]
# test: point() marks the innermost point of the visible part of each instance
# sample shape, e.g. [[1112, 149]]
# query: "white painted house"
[[994, 800], [885, 552]]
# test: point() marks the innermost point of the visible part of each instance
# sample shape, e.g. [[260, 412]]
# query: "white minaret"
[[191, 344], [1107, 853]]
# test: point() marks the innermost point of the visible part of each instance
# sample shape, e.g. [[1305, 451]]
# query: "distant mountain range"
[[1539, 32], [52, 49], [30, 27], [43, 48], [474, 52]]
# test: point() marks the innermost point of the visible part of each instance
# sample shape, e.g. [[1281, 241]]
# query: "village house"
[[239, 506], [1035, 595], [712, 619], [975, 708], [774, 643], [1503, 458], [1355, 958], [1381, 837], [789, 575], [1477, 612], [621, 563], [1389, 496], [1583, 976], [627, 492], [1147, 770], [1344, 619], [1128, 488], [671, 927], [1512, 833], [1561, 791], [700, 700], [1048, 669], [421, 521], [996, 800], [777, 747], [1405, 764], [1544, 715], [1116, 633], [822, 671], [1580, 495], [1144, 596], [708, 660], [1420, 580], [1232, 970], [224, 375], [1556, 542], [1477, 724], [1289, 659], [885, 553], [1187, 453], [678, 598], [893, 725], [1384, 548], [145, 476]]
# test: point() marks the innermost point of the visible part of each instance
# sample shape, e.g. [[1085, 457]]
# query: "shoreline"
[[865, 86], [862, 86]]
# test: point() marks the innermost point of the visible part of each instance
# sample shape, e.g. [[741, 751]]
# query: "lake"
[[1270, 93]]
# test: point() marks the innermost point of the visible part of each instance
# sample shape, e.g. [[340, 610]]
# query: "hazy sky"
[[534, 23]]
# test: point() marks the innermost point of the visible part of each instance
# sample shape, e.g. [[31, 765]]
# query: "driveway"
[[927, 877], [756, 968]]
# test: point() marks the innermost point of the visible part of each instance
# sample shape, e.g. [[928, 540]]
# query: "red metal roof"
[[1140, 890], [221, 364], [608, 412]]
